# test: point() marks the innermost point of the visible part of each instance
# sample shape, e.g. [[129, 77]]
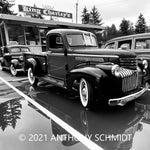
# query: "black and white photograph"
[[74, 75]]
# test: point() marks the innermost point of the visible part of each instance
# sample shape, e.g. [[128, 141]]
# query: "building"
[[32, 31]]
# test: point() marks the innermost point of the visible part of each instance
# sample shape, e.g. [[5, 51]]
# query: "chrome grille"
[[130, 82], [129, 79], [128, 63]]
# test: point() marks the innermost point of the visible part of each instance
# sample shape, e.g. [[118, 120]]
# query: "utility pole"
[[77, 11]]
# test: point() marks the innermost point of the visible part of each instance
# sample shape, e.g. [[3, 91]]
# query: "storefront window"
[[32, 36], [16, 34], [43, 33]]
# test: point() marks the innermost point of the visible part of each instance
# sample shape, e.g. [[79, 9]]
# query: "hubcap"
[[83, 92], [31, 76], [13, 70]]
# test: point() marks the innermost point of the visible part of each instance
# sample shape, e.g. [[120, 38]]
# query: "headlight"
[[115, 70], [145, 64], [21, 58]]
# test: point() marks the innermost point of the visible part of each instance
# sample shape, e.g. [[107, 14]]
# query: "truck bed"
[[41, 62]]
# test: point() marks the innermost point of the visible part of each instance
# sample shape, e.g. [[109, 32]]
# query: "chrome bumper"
[[123, 100], [20, 70]]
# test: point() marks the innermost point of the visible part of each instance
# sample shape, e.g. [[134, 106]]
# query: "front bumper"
[[123, 100]]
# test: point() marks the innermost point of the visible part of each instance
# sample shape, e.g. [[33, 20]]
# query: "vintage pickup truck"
[[74, 61]]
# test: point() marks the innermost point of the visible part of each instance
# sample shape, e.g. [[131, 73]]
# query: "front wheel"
[[86, 92], [32, 79], [13, 70]]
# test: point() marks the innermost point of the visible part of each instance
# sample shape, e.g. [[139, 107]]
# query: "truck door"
[[57, 61]]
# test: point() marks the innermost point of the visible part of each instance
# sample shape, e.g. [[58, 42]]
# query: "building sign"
[[47, 12]]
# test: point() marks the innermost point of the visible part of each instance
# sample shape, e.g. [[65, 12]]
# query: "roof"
[[43, 22], [141, 35], [67, 31]]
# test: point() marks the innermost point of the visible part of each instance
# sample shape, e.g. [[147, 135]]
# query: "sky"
[[112, 11]]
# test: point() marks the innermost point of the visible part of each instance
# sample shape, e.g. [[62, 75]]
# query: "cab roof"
[[68, 31]]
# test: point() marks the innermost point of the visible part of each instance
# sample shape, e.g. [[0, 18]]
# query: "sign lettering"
[[34, 10]]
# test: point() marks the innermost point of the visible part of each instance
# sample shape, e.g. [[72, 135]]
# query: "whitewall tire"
[[13, 70], [86, 93], [32, 79]]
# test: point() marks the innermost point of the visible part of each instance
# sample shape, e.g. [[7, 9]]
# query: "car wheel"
[[86, 93], [13, 70], [32, 79]]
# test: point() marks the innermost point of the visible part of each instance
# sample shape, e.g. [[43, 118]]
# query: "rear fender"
[[31, 63]]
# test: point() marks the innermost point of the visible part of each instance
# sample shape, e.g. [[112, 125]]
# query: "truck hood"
[[109, 52]]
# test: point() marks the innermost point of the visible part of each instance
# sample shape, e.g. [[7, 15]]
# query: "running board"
[[53, 81], [4, 67]]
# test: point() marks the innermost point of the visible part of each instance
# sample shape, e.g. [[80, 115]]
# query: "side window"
[[55, 41], [110, 46], [142, 44], [125, 45]]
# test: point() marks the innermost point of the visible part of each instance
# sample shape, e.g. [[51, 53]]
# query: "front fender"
[[93, 74], [14, 62]]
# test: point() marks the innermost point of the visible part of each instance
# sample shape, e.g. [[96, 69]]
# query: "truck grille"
[[129, 79], [130, 83], [128, 63]]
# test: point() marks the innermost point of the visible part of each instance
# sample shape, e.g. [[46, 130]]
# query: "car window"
[[142, 44], [110, 46], [75, 40], [90, 40], [55, 41], [125, 44], [15, 50], [81, 40], [24, 49]]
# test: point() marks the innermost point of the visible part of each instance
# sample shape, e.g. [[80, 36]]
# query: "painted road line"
[[17, 80], [84, 140]]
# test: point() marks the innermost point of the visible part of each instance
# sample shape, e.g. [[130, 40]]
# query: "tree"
[[5, 6], [85, 16], [125, 27], [131, 28], [95, 17], [140, 26], [113, 31], [109, 33]]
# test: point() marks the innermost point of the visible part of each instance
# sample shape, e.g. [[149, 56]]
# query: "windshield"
[[24, 49], [17, 49], [81, 40]]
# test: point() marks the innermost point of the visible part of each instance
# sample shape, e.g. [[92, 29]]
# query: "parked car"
[[139, 43], [11, 58], [74, 61]]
